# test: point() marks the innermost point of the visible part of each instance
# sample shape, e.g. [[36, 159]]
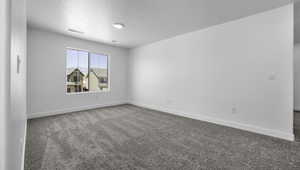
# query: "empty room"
[[149, 84]]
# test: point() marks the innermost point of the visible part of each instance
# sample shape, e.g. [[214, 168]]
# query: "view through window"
[[86, 71]]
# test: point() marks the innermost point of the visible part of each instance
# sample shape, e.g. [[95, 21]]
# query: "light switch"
[[272, 77]]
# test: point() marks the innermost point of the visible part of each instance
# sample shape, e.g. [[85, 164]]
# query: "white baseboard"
[[297, 108], [246, 127], [24, 147], [73, 109]]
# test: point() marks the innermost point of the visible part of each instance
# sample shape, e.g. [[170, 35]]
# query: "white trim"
[[73, 109], [24, 146], [88, 92], [246, 127], [108, 71]]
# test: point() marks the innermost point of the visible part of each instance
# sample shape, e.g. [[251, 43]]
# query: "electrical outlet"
[[169, 102], [233, 110]]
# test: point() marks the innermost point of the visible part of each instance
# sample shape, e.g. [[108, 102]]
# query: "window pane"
[[77, 71], [98, 72]]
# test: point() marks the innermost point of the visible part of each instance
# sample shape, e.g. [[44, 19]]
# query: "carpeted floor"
[[128, 137]]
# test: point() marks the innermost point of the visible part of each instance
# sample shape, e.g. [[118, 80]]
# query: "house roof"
[[71, 70], [99, 72]]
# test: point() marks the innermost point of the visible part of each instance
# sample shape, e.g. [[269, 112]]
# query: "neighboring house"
[[78, 82], [98, 79], [75, 81]]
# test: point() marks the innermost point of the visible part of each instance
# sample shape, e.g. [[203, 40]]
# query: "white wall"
[[4, 75], [47, 68], [238, 74], [16, 119], [297, 77]]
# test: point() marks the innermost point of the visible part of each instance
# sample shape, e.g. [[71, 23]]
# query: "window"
[[86, 72]]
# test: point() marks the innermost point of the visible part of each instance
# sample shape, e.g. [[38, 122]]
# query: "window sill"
[[89, 92]]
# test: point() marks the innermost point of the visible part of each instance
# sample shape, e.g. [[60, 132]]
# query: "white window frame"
[[87, 92]]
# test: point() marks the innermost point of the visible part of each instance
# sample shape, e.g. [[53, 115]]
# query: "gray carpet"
[[128, 137]]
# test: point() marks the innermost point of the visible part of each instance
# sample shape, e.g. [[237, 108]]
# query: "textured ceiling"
[[146, 20]]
